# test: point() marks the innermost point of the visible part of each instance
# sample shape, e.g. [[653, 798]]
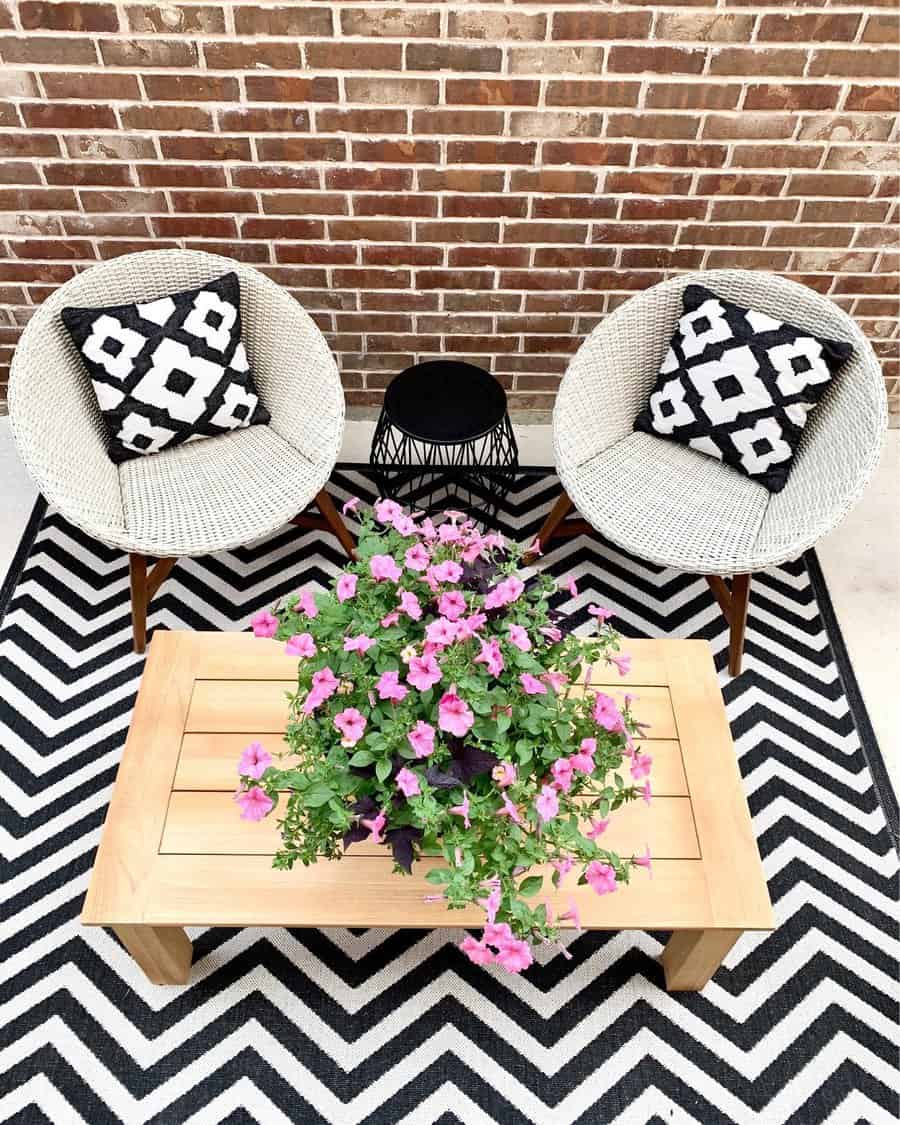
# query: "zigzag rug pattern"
[[379, 1027]]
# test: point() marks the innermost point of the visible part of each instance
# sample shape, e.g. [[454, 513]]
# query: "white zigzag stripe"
[[41, 1092]]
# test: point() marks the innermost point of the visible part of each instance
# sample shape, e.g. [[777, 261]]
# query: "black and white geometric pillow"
[[737, 384], [169, 370]]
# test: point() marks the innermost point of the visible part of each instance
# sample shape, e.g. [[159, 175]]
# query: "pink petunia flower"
[[390, 619], [452, 605], [301, 644], [409, 604], [647, 792], [504, 593], [362, 643], [421, 739], [519, 637], [306, 604], [553, 635], [491, 904], [510, 810], [622, 662], [644, 860], [350, 505], [547, 804], [536, 549], [476, 951], [514, 956], [505, 774], [597, 828], [607, 714], [447, 571], [375, 825], [408, 783], [572, 586], [417, 558], [346, 587], [423, 672], [264, 624], [600, 612], [474, 549], [556, 680], [491, 656], [583, 761], [572, 915], [389, 687], [463, 810], [562, 770], [454, 715], [383, 568], [497, 932], [441, 632], [531, 685], [640, 767], [254, 761], [563, 866], [467, 627], [386, 511], [324, 685], [255, 803], [601, 877], [429, 531], [352, 724], [404, 525], [449, 533]]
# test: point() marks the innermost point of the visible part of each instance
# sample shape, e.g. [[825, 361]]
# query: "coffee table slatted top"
[[175, 852]]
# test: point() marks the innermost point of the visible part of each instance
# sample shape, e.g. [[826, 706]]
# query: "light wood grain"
[[651, 706], [692, 956], [240, 705], [163, 952]]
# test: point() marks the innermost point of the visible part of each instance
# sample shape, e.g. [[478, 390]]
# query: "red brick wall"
[[479, 180]]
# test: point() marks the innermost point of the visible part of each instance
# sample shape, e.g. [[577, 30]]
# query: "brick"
[[648, 183], [37, 16], [450, 56], [301, 148], [533, 232], [93, 174], [878, 237], [283, 228], [764, 156], [405, 255], [833, 261], [653, 257], [293, 19], [372, 230], [398, 204], [361, 120], [271, 119], [400, 23], [589, 93], [392, 91], [791, 96], [110, 146], [692, 95], [52, 250], [458, 232], [882, 29], [639, 207], [573, 257], [708, 235], [419, 343], [556, 124], [8, 116], [834, 184], [491, 91], [19, 172], [180, 175], [455, 324], [367, 179], [172, 19], [556, 60], [455, 121], [128, 201], [657, 125], [65, 115], [809, 27], [876, 158], [583, 25], [460, 179], [844, 211], [42, 49], [29, 144], [200, 202], [491, 152], [846, 127], [281, 88], [315, 253], [260, 176], [615, 279], [206, 148], [572, 207], [737, 183], [38, 199], [35, 271], [539, 279], [168, 118], [206, 226], [799, 235], [30, 224], [191, 88], [304, 203], [484, 206], [854, 64], [647, 234], [88, 86], [656, 60], [493, 25], [574, 152], [346, 56], [747, 259], [397, 151], [753, 210], [18, 84], [748, 126], [752, 61], [140, 53], [455, 279], [565, 180], [371, 279], [873, 99], [704, 27]]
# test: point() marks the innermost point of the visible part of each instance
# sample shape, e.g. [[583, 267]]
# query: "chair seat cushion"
[[665, 503], [215, 494], [737, 384]]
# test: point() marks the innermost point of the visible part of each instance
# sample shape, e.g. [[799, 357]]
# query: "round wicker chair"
[[202, 496], [676, 507]]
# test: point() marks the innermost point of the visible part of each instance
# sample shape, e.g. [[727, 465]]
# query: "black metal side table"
[[444, 440]]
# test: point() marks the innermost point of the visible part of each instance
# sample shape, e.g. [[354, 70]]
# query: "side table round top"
[[445, 401]]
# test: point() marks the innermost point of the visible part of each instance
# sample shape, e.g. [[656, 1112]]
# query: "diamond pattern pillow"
[[737, 384], [169, 370]]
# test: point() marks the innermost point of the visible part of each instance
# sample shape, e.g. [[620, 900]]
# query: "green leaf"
[[503, 722], [317, 795], [383, 769], [529, 887], [362, 758], [439, 875]]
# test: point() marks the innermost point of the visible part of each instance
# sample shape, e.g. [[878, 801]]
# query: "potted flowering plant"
[[433, 715]]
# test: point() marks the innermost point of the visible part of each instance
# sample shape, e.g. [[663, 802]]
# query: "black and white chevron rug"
[[383, 1027]]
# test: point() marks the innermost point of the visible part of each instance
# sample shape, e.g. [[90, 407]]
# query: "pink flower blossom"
[[467, 627], [389, 687], [583, 761], [491, 904], [306, 604], [463, 810], [504, 593], [324, 685], [535, 548], [421, 739], [254, 761], [383, 568], [346, 587], [547, 804], [362, 643], [452, 605], [454, 715], [563, 866], [350, 506], [597, 828], [571, 585], [408, 783], [449, 533], [352, 724], [644, 860], [409, 604], [491, 656], [557, 680], [497, 932], [510, 810], [447, 571], [417, 558], [600, 613], [622, 663], [429, 531], [601, 877], [473, 549], [301, 644], [476, 951], [607, 714], [572, 915], [441, 632], [553, 635], [390, 619], [264, 624], [505, 774], [531, 685], [423, 673], [255, 803], [386, 511], [404, 525], [519, 637], [562, 773], [514, 955], [647, 792], [640, 767], [375, 825]]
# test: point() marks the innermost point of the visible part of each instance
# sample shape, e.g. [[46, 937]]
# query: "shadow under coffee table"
[[175, 853]]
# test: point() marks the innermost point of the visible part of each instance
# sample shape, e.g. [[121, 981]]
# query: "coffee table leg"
[[692, 956], [163, 952]]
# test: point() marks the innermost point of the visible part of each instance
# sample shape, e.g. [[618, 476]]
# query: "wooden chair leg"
[[144, 584], [332, 518], [558, 513], [733, 602]]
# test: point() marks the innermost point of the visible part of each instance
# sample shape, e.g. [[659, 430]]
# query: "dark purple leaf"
[[401, 842], [439, 779], [471, 761], [354, 835]]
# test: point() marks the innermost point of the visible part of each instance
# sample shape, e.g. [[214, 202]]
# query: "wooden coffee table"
[[175, 852]]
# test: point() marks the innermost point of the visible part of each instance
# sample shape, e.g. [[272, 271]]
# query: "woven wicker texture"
[[676, 507], [207, 495]]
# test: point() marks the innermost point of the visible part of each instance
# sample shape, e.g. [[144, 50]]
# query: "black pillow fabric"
[[168, 370], [737, 384]]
